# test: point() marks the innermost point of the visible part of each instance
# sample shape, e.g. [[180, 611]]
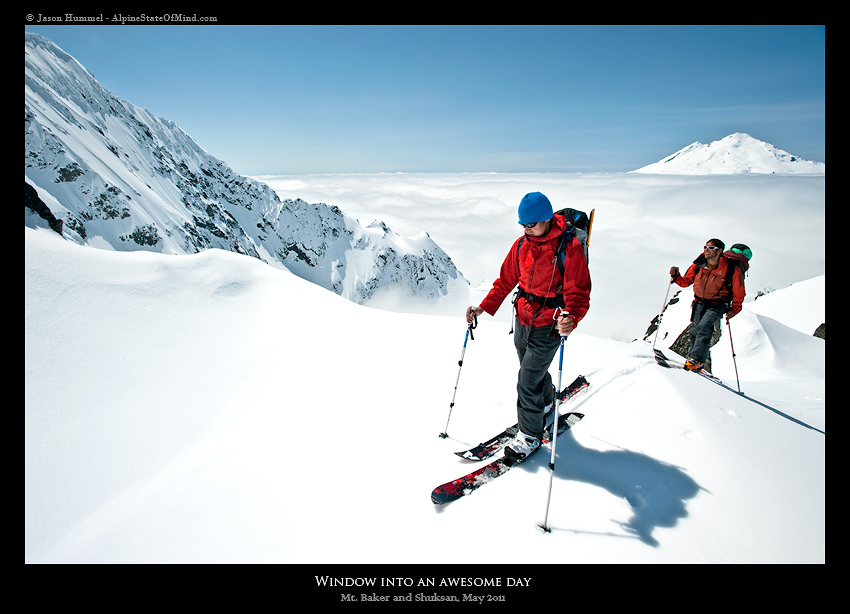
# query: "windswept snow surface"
[[209, 408]]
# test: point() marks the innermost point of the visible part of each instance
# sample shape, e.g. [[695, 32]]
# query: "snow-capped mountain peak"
[[738, 153], [119, 178]]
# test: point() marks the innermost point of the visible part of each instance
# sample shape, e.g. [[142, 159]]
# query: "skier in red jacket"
[[545, 291], [713, 296]]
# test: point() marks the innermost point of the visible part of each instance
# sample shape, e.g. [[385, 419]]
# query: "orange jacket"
[[710, 285], [534, 268]]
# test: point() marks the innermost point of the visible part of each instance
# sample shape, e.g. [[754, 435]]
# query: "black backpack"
[[579, 227]]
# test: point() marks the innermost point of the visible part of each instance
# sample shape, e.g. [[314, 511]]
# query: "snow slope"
[[185, 409]]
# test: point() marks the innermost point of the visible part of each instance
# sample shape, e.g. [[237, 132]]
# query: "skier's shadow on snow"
[[656, 491]]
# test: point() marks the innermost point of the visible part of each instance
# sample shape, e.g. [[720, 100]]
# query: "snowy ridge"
[[121, 179], [737, 153]]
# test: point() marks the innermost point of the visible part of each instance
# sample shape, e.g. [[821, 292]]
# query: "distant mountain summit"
[[738, 153], [110, 175]]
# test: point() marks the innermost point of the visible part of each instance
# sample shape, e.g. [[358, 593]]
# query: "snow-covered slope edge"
[[120, 178], [180, 410]]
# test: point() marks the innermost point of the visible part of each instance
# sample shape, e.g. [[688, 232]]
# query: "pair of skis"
[[672, 363], [462, 486]]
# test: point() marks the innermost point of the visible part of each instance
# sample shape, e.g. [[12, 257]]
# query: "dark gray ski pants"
[[534, 387], [703, 318]]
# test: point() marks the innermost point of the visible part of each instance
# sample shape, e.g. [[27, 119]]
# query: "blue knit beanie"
[[534, 207]]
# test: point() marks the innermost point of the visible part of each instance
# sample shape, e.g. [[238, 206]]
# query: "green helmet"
[[740, 248]]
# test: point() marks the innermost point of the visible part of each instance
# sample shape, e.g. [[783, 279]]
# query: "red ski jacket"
[[710, 285], [533, 266]]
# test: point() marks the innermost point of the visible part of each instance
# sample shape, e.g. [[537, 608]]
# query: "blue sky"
[[348, 99]]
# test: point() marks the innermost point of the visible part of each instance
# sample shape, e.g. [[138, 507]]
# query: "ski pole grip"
[[557, 315]]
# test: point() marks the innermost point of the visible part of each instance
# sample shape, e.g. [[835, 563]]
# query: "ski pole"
[[734, 360], [545, 525], [469, 328], [663, 305]]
